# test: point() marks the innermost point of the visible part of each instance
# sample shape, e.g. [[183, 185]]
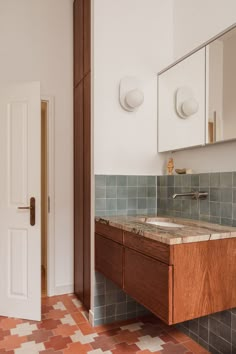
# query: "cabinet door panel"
[[174, 132], [109, 232], [109, 259], [149, 282], [204, 275]]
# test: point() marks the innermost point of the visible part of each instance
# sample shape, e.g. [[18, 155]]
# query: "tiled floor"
[[65, 330]]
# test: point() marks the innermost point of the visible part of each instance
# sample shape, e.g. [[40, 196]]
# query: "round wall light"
[[131, 94]]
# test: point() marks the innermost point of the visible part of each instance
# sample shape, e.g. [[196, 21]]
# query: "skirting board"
[[91, 318]]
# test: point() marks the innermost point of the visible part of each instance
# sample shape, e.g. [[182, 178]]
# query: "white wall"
[[36, 45], [133, 37], [195, 21]]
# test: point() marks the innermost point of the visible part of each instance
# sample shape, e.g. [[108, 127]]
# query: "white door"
[[20, 166]]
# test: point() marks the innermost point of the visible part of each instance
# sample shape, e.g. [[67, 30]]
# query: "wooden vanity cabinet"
[[178, 282], [149, 282], [109, 259]]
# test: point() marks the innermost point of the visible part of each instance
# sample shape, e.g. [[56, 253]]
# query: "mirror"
[[221, 88]]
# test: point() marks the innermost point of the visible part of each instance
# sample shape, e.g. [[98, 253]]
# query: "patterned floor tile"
[[150, 343], [125, 348], [24, 329], [171, 348], [57, 342], [12, 342], [41, 335], [30, 348], [84, 339], [64, 329]]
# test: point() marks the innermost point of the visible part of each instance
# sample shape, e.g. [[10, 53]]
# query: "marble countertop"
[[190, 230]]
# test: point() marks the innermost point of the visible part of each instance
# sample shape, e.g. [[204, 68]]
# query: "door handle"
[[31, 207]]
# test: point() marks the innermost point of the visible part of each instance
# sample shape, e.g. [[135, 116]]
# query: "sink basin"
[[164, 224]]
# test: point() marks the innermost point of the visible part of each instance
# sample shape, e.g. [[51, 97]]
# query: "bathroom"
[[120, 160], [131, 177]]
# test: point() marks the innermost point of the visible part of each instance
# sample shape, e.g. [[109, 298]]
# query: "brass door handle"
[[32, 210]]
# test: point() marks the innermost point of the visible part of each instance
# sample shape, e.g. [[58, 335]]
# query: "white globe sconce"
[[185, 103], [131, 94]]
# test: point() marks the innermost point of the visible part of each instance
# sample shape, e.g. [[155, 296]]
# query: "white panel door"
[[20, 166], [174, 132]]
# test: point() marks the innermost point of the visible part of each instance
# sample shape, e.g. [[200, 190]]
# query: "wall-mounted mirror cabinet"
[[197, 96]]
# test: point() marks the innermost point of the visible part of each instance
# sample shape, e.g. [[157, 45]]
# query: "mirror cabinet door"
[[181, 104], [221, 88]]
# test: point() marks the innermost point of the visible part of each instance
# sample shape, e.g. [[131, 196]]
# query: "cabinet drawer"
[[109, 259], [149, 247], [149, 282], [109, 231]]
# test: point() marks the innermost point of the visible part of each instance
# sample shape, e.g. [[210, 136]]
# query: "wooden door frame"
[[51, 193], [82, 151]]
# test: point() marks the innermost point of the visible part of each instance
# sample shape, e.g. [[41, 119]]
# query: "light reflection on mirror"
[[221, 88]]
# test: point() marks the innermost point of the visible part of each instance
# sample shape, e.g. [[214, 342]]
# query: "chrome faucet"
[[193, 194]]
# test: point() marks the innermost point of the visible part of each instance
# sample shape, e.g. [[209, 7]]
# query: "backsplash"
[[219, 207], [125, 195], [133, 195]]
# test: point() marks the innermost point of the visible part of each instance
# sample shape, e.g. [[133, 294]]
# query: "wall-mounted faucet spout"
[[193, 194]]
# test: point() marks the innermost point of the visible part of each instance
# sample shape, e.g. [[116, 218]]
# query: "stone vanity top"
[[190, 230]]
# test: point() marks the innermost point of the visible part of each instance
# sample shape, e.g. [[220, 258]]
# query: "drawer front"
[[149, 247], [150, 283], [109, 259], [109, 231]]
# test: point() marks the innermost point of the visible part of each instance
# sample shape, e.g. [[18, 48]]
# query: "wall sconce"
[[185, 103], [131, 94]]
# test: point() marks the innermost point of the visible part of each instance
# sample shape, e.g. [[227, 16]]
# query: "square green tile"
[[122, 192], [111, 181], [100, 181], [100, 192], [122, 180], [226, 179], [132, 181], [111, 192]]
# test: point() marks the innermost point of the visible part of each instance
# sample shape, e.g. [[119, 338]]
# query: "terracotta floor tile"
[[179, 336], [167, 338], [147, 352], [64, 328], [127, 337], [152, 330], [9, 323], [78, 317], [78, 348], [86, 328], [41, 335], [171, 348], [4, 333], [125, 348], [56, 314], [104, 343], [49, 324], [195, 347], [12, 342], [58, 343], [50, 351]]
